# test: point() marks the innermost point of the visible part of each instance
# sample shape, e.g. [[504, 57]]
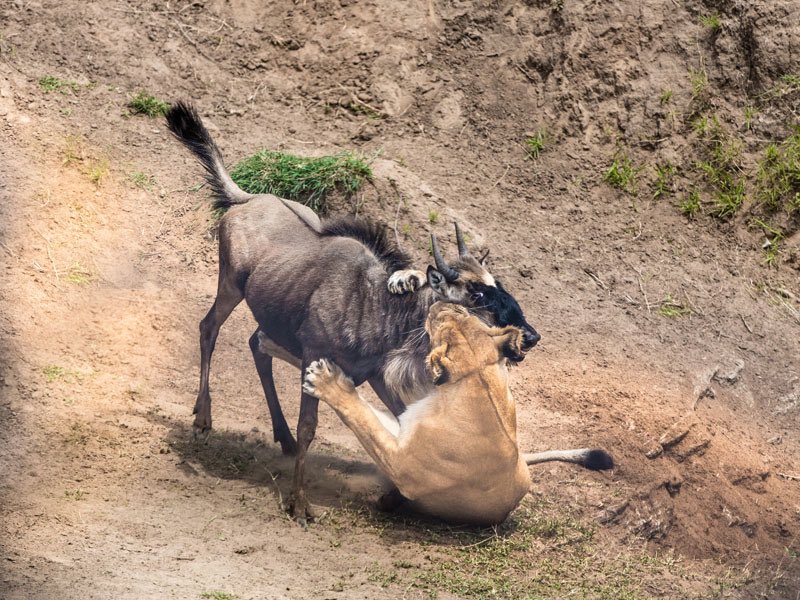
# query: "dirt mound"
[[570, 138]]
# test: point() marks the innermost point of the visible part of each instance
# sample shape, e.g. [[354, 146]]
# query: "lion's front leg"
[[327, 382]]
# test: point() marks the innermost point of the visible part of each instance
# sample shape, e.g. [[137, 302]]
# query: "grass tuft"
[[666, 97], [48, 83], [691, 206], [673, 308], [664, 175], [722, 166], [304, 179], [622, 174], [56, 373], [534, 145], [217, 595], [791, 81], [142, 180], [433, 217], [778, 175], [711, 22], [98, 171], [145, 104]]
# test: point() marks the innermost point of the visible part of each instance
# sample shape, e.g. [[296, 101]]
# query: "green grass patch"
[[701, 91], [78, 274], [749, 113], [721, 166], [691, 205], [304, 179], [54, 373], [666, 97], [791, 81], [711, 22], [76, 494], [49, 83], [672, 308], [361, 109], [433, 217], [772, 246], [664, 176], [545, 551], [98, 171], [534, 145], [778, 175], [218, 596], [622, 174], [146, 104], [141, 180]]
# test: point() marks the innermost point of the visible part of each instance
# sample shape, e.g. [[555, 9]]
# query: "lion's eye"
[[476, 297]]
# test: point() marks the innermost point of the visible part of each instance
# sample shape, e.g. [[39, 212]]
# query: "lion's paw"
[[406, 281], [325, 380]]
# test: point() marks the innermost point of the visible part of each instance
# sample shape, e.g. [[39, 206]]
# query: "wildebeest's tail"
[[185, 123], [591, 458]]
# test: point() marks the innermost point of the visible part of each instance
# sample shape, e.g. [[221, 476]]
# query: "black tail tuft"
[[599, 460], [184, 122]]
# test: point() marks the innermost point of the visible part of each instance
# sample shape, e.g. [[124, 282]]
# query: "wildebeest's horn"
[[463, 252], [450, 274]]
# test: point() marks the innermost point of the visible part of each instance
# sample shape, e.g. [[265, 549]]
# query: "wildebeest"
[[320, 289], [453, 454]]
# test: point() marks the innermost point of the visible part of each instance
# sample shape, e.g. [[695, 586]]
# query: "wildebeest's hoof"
[[288, 446], [201, 434], [300, 510], [405, 281]]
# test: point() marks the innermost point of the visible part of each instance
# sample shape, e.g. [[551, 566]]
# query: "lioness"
[[452, 454]]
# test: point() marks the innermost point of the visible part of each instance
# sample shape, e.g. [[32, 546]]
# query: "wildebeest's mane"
[[372, 235]]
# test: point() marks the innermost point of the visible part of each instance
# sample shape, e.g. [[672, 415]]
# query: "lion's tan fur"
[[455, 455]]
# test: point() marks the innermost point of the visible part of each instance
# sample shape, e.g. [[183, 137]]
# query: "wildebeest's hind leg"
[[280, 429], [228, 297], [299, 507]]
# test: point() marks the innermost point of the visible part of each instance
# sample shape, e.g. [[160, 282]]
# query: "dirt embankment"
[[661, 334]]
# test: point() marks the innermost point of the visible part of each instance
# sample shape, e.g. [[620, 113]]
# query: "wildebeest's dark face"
[[502, 309], [468, 283]]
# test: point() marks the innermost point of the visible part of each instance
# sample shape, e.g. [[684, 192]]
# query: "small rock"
[[731, 376], [654, 450], [674, 435], [611, 513], [775, 440]]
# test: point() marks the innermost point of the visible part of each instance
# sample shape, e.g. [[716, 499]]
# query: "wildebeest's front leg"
[[326, 381], [299, 507], [280, 429], [228, 297]]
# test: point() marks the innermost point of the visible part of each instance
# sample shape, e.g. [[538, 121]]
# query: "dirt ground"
[[109, 262]]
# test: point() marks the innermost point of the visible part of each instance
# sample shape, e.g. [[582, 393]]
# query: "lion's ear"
[[438, 364], [509, 343]]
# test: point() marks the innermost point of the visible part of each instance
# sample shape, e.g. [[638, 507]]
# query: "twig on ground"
[[641, 289], [789, 476], [596, 279], [503, 176], [9, 250], [746, 326]]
